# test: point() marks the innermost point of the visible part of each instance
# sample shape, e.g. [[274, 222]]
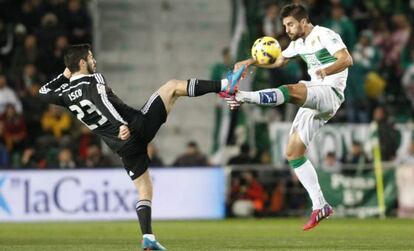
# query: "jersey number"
[[90, 108]]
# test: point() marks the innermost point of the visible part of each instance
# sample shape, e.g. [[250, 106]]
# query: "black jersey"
[[90, 99]]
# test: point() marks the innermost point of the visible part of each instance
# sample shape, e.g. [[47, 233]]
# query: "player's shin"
[[143, 209], [270, 97], [307, 175], [197, 87]]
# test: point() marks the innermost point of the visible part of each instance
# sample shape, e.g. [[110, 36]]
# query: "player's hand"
[[246, 62], [124, 132], [67, 73], [232, 102], [321, 73]]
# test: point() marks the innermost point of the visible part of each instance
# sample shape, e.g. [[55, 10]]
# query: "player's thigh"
[[295, 147], [297, 93], [171, 90], [136, 164], [304, 128], [155, 114], [324, 100]]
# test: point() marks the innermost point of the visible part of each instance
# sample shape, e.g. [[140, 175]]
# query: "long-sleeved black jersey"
[[90, 99]]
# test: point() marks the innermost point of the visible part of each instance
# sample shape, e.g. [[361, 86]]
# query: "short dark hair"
[[297, 11], [356, 142], [225, 51], [73, 54], [331, 154], [192, 144], [245, 148]]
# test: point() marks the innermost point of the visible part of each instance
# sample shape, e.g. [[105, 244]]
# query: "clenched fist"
[[124, 132]]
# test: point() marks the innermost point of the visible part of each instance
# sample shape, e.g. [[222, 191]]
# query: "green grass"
[[263, 234]]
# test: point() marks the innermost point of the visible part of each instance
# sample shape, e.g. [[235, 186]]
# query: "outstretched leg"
[[293, 93], [173, 89]]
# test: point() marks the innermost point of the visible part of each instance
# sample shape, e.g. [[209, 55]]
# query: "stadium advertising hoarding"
[[355, 195], [337, 138], [109, 194]]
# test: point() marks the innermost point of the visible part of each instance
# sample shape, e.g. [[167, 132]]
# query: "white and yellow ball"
[[265, 50]]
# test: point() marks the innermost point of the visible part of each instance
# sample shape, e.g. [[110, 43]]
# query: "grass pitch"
[[250, 234]]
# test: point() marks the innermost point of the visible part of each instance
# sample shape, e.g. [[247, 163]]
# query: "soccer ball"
[[265, 50]]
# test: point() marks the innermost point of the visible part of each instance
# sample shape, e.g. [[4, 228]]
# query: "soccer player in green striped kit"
[[327, 59]]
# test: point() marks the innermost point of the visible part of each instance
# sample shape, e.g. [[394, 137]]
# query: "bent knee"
[[295, 148], [171, 84], [290, 154], [170, 87], [297, 93]]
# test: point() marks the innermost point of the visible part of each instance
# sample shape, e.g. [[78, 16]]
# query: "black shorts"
[[134, 156]]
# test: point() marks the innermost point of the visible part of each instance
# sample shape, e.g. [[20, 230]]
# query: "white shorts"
[[321, 104]]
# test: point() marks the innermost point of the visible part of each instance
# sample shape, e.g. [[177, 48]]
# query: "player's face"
[[293, 27], [91, 63]]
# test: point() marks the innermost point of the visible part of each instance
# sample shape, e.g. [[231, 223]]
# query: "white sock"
[[309, 179], [224, 83], [151, 237], [271, 97]]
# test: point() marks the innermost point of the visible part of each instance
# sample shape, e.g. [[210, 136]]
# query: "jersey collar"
[[79, 76], [311, 34]]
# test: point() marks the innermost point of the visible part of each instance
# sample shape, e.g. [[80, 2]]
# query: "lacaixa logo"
[[3, 203]]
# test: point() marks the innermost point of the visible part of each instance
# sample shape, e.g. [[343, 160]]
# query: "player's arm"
[[280, 61], [336, 47], [101, 99], [343, 61], [50, 92]]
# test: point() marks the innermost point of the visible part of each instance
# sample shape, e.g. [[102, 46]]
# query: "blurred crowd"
[[33, 35], [265, 193]]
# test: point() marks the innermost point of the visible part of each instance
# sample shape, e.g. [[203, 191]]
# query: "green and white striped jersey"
[[317, 50]]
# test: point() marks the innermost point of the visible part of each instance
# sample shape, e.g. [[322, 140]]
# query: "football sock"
[[143, 209], [270, 97], [307, 175], [151, 237], [197, 87]]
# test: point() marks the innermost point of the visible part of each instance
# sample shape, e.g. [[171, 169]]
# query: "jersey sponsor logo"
[[311, 60], [268, 97], [75, 86], [62, 87]]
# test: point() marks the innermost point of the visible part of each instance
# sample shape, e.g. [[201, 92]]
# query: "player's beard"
[[298, 35], [90, 69]]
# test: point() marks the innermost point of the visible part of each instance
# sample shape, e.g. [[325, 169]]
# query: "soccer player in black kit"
[[126, 130]]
